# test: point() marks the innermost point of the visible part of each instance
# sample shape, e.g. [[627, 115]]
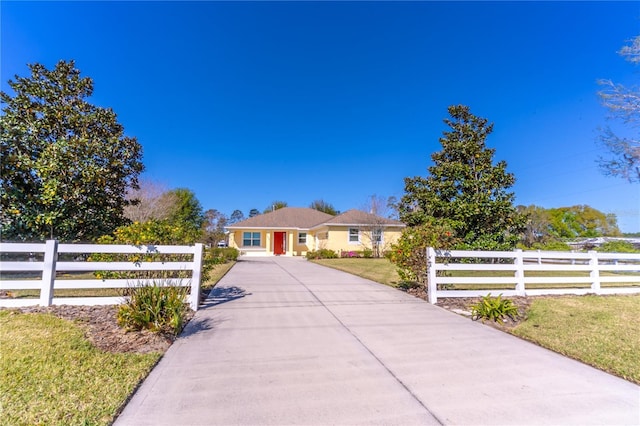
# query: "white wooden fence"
[[545, 272], [49, 267]]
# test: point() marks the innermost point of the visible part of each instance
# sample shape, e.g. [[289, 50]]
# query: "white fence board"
[[527, 262], [124, 266], [21, 266], [50, 266], [124, 249], [20, 284], [22, 247]]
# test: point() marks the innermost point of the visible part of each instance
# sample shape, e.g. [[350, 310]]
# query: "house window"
[[376, 236], [354, 235], [302, 238], [251, 239]]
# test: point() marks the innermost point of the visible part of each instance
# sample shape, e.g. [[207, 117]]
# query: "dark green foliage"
[[66, 164], [154, 306], [466, 188], [218, 255], [275, 205], [618, 247], [548, 245], [187, 211], [322, 254], [494, 309], [324, 207], [409, 253]]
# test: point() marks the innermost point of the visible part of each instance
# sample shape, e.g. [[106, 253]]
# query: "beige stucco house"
[[293, 231]]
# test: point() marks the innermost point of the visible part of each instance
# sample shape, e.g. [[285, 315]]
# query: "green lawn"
[[378, 270], [602, 331], [51, 374]]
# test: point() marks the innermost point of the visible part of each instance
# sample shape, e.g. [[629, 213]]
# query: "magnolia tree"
[[465, 188], [66, 164]]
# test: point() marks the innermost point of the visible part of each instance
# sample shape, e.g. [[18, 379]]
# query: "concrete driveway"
[[284, 341]]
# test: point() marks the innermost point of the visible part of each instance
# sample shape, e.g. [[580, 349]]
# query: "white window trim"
[[302, 242], [252, 239], [349, 236]]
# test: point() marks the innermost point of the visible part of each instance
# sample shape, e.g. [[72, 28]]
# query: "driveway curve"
[[284, 341]]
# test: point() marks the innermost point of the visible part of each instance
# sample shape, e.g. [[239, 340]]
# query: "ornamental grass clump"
[[158, 306], [494, 309]]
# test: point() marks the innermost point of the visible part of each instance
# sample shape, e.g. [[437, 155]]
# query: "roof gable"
[[286, 217]]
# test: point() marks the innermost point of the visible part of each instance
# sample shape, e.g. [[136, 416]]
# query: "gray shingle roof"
[[358, 217], [287, 217]]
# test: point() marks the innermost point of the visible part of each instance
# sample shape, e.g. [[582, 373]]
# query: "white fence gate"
[[461, 273], [49, 267]]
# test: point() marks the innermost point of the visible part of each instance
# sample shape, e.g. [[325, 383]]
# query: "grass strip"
[[51, 374], [379, 270], [602, 331]]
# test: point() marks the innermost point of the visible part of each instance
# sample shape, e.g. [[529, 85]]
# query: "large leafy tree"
[[464, 187], [187, 210], [581, 221], [66, 164], [622, 141]]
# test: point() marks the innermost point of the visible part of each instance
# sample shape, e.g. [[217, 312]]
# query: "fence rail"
[[463, 273], [50, 266]]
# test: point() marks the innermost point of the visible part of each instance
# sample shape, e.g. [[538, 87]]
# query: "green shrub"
[[153, 232], [367, 253], [409, 253], [227, 254], [155, 306], [618, 247], [553, 245], [322, 254], [494, 308]]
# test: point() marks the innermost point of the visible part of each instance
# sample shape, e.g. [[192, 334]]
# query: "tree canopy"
[[275, 205], [187, 210], [464, 188], [324, 207], [66, 164], [236, 216], [622, 141], [546, 225]]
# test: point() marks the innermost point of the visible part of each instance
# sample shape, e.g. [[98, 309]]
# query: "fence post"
[[431, 276], [595, 271], [48, 272], [519, 261], [194, 296]]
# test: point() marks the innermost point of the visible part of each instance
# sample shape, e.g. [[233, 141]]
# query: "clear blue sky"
[[249, 102]]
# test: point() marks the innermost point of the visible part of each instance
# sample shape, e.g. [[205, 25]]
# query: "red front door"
[[279, 239]]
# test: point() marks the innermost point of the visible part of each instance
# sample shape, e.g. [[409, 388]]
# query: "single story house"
[[293, 231]]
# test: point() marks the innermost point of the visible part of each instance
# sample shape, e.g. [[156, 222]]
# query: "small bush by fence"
[[41, 267], [461, 273]]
